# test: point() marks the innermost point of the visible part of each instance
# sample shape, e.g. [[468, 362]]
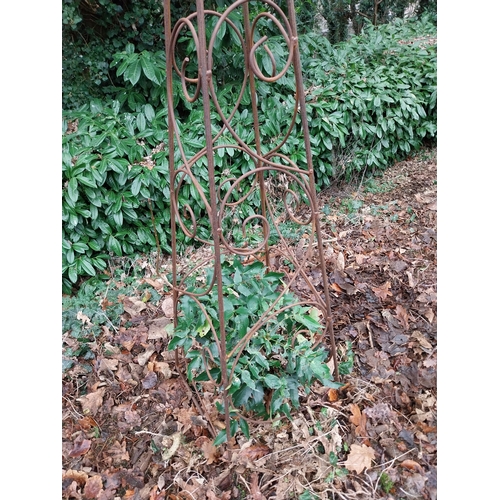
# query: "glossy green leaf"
[[73, 189], [149, 112], [72, 274], [141, 121], [87, 266], [133, 72]]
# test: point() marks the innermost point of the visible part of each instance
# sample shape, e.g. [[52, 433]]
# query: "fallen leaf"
[[209, 450], [163, 368], [80, 447], [133, 305], [254, 487], [118, 452], [359, 420], [255, 452], [83, 318], [184, 418], [411, 281], [429, 314], [340, 261], [75, 475], [360, 258], [426, 428], [86, 423], [105, 303], [155, 494], [356, 414], [167, 307], [92, 402], [333, 395], [360, 458], [107, 365], [421, 339], [93, 487], [157, 329], [336, 288], [380, 412], [411, 465], [150, 380], [382, 292], [143, 358], [71, 491], [226, 495], [402, 316], [155, 284]]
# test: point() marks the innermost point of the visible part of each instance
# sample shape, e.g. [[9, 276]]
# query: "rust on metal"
[[223, 196]]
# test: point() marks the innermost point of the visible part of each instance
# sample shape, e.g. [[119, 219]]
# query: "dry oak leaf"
[[255, 452], [75, 475], [93, 487], [80, 447], [382, 292], [209, 450], [360, 457], [133, 305], [92, 402], [254, 487], [358, 419], [118, 452], [402, 316]]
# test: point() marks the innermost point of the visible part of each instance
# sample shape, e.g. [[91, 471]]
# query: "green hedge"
[[371, 101]]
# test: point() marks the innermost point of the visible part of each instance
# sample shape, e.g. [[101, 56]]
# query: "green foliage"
[[107, 193], [75, 310], [374, 101], [94, 30], [371, 101], [83, 315], [276, 358], [385, 482], [307, 495]]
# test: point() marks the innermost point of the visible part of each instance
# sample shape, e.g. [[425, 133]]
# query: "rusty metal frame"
[[298, 181]]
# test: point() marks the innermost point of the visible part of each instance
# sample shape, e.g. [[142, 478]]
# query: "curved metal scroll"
[[268, 165]]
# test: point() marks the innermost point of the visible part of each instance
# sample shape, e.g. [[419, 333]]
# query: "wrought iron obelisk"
[[218, 190]]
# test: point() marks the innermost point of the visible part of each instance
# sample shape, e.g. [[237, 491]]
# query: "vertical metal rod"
[[205, 76], [255, 111], [171, 124], [307, 145]]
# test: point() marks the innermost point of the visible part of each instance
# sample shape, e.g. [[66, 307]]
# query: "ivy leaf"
[[272, 381]]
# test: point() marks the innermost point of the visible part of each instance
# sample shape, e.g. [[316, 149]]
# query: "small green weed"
[[371, 185], [385, 482], [84, 315], [307, 495], [345, 367]]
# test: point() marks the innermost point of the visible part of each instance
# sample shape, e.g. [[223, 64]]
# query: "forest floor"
[[130, 429]]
